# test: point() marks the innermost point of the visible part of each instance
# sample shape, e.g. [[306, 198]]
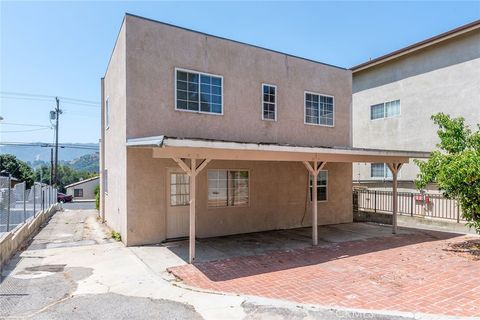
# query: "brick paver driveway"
[[421, 272]]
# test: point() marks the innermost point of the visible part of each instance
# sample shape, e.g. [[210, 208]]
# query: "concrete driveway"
[[72, 269]]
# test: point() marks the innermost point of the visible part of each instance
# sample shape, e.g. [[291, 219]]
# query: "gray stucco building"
[[395, 95]]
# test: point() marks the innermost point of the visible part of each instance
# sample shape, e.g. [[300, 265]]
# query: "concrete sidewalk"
[[72, 269]]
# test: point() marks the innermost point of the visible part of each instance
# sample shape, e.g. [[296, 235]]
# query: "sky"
[[62, 49]]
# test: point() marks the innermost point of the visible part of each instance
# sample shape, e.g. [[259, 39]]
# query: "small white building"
[[83, 190]]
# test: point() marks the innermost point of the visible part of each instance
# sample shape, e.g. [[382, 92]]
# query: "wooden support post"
[[314, 207], [314, 171], [191, 251], [192, 172], [394, 168]]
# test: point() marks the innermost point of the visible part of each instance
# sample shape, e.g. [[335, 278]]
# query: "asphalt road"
[[84, 205]]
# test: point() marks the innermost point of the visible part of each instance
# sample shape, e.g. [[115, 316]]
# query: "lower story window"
[[380, 170], [78, 193], [179, 189], [228, 188], [322, 186]]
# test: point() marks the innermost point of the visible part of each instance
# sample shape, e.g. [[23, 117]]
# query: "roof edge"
[[82, 181], [236, 41], [418, 46]]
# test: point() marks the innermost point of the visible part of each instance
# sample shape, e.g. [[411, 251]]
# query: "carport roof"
[[171, 147]]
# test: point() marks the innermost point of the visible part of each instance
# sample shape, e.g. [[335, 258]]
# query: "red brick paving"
[[415, 273]]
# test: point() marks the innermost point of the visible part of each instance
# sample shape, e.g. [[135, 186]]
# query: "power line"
[[47, 145], [30, 130], [49, 100], [43, 97], [24, 124]]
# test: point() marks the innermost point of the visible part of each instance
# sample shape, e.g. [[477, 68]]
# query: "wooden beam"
[[309, 167], [222, 154], [202, 166], [320, 166], [183, 165]]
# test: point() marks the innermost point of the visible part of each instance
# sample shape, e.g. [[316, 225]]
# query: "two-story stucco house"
[[204, 136], [395, 95]]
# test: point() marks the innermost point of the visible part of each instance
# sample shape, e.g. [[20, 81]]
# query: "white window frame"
[[78, 189], [170, 195], [386, 169], [275, 103], [107, 113], [199, 73], [385, 110], [310, 187], [305, 109], [227, 206]]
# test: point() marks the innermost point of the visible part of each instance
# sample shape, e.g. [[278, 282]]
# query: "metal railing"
[[19, 204], [409, 203]]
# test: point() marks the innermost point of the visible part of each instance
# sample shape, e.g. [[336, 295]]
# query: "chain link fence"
[[18, 204]]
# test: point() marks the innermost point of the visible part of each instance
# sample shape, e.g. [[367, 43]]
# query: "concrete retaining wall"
[[377, 217], [11, 241]]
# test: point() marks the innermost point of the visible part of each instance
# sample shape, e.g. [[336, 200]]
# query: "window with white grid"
[[228, 188], [319, 109], [198, 92], [179, 189], [269, 102]]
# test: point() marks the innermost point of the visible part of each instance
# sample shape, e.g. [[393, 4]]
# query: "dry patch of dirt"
[[469, 248]]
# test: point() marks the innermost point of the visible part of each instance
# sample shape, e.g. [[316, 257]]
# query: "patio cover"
[[314, 159]]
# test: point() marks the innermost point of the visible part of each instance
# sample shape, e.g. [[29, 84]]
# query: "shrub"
[[97, 197]]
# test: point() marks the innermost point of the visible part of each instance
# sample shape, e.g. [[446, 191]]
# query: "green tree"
[[17, 168], [66, 175], [456, 166]]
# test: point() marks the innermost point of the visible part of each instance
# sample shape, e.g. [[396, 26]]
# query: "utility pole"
[[57, 113], [51, 166]]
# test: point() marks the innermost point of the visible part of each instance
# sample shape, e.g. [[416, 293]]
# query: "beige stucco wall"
[[140, 86], [443, 78], [153, 52], [115, 153], [278, 198], [88, 189]]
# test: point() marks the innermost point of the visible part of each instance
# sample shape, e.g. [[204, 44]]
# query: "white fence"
[[409, 203], [19, 204]]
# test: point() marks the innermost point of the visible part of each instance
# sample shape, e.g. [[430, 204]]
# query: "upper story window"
[[198, 92], [269, 102], [107, 114], [385, 110], [380, 171], [319, 109]]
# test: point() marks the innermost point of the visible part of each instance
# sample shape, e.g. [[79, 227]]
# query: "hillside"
[[34, 154], [87, 162]]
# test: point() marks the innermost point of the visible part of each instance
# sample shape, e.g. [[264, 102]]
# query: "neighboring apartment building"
[[204, 136], [84, 189], [395, 95]]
